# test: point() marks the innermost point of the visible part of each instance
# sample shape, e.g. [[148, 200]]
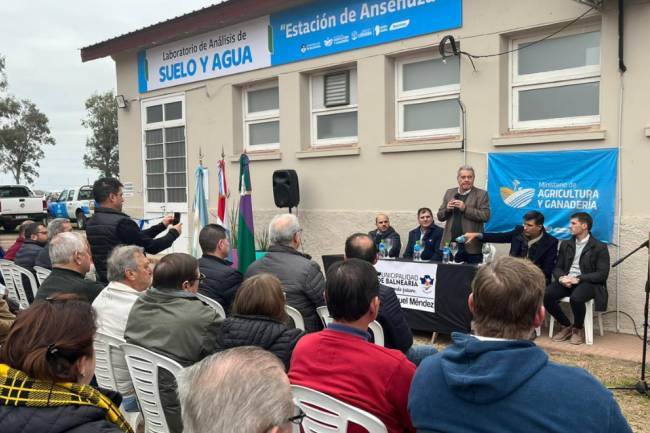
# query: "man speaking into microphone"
[[464, 209]]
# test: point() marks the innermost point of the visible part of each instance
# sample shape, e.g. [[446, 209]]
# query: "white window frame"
[[429, 94], [556, 78], [315, 112], [162, 100], [258, 117]]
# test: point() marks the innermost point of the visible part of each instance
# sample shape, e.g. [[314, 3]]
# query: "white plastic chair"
[[41, 274], [7, 275], [17, 273], [589, 322], [143, 367], [325, 414], [212, 303], [375, 327], [296, 317]]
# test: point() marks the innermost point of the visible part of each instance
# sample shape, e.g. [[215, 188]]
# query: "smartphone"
[[177, 218]]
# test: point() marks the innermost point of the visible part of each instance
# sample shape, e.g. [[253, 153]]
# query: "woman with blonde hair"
[[46, 366], [259, 319]]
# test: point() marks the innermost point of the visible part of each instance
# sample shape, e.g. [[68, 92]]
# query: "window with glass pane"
[[175, 164], [334, 107], [556, 82], [262, 117], [155, 165], [427, 96], [154, 114]]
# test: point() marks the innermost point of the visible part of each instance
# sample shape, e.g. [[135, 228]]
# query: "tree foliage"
[[23, 134], [102, 150]]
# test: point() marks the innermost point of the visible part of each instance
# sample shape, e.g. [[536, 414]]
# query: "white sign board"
[[127, 189], [414, 283], [231, 50]]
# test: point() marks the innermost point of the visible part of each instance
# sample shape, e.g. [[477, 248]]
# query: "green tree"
[[102, 150], [23, 134]]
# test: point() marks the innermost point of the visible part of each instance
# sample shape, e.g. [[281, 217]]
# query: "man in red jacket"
[[11, 252], [341, 362]]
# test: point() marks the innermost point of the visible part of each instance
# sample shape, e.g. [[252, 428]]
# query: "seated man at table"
[[497, 380], [527, 241], [427, 233], [581, 274], [397, 333], [384, 232], [340, 361]]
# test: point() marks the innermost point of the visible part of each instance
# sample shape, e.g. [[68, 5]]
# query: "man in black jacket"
[[397, 333], [109, 227], [35, 240], [527, 241], [221, 280], [385, 231], [581, 274]]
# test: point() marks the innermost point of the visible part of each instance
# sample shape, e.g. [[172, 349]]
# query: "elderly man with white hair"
[[56, 226], [71, 260], [245, 390], [302, 280]]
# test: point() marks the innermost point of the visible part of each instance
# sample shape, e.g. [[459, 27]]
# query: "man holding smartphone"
[[109, 227]]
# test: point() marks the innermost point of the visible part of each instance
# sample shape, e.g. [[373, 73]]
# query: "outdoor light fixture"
[[121, 101]]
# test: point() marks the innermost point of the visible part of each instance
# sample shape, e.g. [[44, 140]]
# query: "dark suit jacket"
[[543, 252], [431, 240], [397, 332], [594, 266], [477, 211], [391, 234]]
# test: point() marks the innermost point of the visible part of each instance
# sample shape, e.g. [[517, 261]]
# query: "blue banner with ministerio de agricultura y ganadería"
[[557, 184]]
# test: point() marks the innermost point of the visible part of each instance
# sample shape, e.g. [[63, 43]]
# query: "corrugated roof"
[[208, 18]]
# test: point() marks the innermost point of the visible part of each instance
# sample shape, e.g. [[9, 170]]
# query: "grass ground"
[[611, 372]]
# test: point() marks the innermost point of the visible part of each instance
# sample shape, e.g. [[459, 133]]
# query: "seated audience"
[[341, 362], [241, 390], [170, 320], [7, 319], [385, 231], [428, 234], [129, 275], [46, 366], [527, 241], [56, 226], [13, 249], [35, 240], [301, 277], [71, 260], [397, 332], [259, 319], [221, 280], [581, 274], [497, 380]]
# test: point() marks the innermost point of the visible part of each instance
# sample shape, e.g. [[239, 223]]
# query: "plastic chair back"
[[41, 274], [104, 347], [7, 275], [295, 316], [143, 366], [18, 272], [216, 306], [325, 414], [374, 327]]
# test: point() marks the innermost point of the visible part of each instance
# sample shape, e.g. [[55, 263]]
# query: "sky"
[[41, 41]]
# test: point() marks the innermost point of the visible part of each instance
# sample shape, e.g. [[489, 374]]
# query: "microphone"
[[619, 261]]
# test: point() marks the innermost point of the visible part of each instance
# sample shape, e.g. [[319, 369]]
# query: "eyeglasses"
[[200, 278], [297, 419]]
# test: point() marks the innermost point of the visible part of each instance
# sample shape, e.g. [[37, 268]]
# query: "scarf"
[[18, 389]]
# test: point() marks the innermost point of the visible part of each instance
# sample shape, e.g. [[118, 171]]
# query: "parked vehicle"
[[76, 204], [18, 203]]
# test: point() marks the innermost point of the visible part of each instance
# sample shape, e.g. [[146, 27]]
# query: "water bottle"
[[417, 251], [445, 253], [460, 239], [382, 249]]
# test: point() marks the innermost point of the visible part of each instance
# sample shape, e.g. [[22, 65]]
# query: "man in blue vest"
[[109, 227]]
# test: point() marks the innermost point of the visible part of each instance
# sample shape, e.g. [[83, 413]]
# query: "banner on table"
[[556, 184], [414, 283], [305, 32]]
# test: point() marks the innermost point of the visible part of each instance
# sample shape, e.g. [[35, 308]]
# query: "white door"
[[165, 163]]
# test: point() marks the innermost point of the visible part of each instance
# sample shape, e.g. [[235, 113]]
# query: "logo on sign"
[[427, 283], [517, 197]]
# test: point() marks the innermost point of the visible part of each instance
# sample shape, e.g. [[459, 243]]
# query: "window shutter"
[[337, 89]]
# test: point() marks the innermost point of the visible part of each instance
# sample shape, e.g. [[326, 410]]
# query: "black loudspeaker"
[[286, 192]]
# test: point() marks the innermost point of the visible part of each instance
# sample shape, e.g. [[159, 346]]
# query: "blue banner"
[[556, 184], [324, 28]]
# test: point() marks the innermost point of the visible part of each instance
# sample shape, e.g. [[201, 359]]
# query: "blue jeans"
[[416, 354]]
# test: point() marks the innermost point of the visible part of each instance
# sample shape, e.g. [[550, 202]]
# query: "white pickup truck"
[[17, 204]]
